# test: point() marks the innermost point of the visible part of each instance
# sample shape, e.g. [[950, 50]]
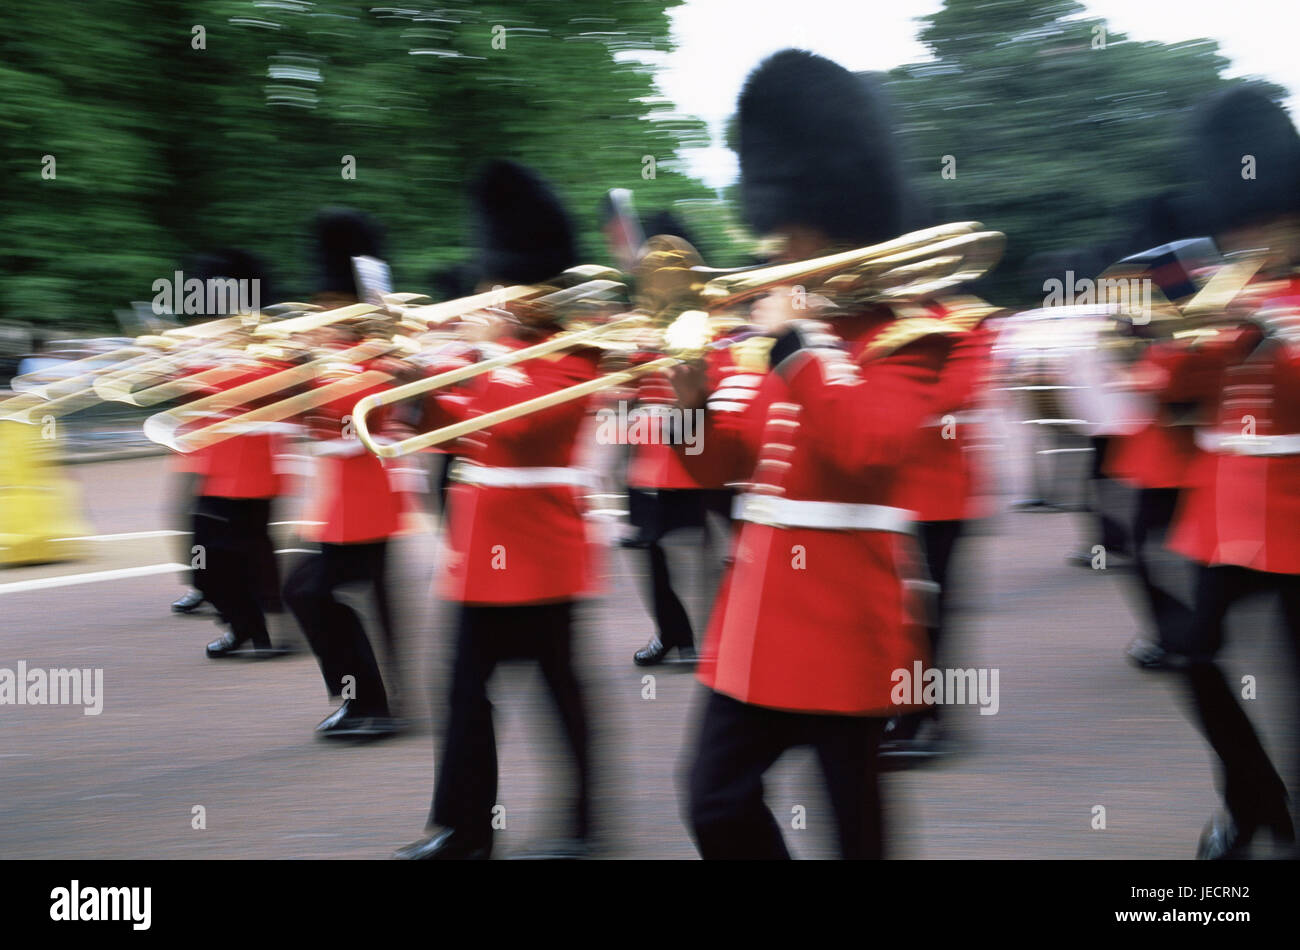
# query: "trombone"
[[149, 356], [398, 311], [680, 298]]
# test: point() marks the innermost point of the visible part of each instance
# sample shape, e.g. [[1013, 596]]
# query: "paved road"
[[1077, 727]]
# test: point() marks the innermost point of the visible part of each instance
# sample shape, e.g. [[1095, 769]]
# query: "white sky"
[[720, 41]]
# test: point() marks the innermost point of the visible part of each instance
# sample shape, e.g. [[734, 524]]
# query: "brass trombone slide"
[[162, 433], [147, 345], [912, 266], [119, 389], [163, 427], [415, 443], [148, 355]]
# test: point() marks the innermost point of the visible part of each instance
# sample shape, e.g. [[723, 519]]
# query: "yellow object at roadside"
[[38, 504]]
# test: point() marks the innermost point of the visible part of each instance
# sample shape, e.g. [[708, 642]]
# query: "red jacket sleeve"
[[734, 414], [964, 371], [870, 416], [540, 378]]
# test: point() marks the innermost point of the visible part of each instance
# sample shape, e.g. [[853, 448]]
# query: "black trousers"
[[184, 485], [335, 632], [656, 514], [1100, 501], [1169, 616], [466, 789], [444, 480], [938, 542], [739, 742], [1253, 791], [233, 538]]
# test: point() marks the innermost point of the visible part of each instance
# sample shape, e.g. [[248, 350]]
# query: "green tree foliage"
[[1059, 128], [167, 144]]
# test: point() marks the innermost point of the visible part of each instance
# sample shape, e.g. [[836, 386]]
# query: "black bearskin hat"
[[524, 235], [1237, 123], [1162, 218], [226, 263], [816, 149], [453, 281], [229, 263], [665, 222], [342, 234]]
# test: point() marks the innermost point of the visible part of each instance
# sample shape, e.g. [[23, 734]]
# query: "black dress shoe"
[[912, 740], [448, 845], [345, 723], [1146, 655], [654, 653], [1220, 841], [1228, 838], [223, 647], [190, 602], [228, 646]]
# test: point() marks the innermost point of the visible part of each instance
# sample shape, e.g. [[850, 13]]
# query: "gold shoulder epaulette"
[[904, 331], [752, 354], [966, 311]]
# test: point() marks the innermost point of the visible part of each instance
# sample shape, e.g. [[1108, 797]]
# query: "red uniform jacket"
[[733, 385], [813, 619], [242, 466], [941, 479], [354, 498], [655, 464], [511, 543], [1243, 506], [1160, 454]]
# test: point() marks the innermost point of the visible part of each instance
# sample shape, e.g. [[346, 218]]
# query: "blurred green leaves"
[[1059, 127], [163, 149]]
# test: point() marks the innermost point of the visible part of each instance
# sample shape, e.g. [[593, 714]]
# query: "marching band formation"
[[839, 390]]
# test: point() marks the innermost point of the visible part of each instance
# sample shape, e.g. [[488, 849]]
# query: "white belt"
[[343, 447], [494, 477], [338, 448], [1248, 444], [827, 515]]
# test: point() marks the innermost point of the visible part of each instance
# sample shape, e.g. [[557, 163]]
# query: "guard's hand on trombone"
[[785, 306], [691, 383], [487, 326], [402, 371]]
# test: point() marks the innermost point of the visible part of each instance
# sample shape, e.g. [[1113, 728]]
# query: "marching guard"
[[520, 554], [663, 496], [223, 264], [814, 615], [941, 485], [1238, 519], [232, 538]]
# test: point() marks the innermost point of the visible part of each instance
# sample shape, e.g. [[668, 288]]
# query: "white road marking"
[[91, 798], [69, 580], [295, 551], [125, 537]]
